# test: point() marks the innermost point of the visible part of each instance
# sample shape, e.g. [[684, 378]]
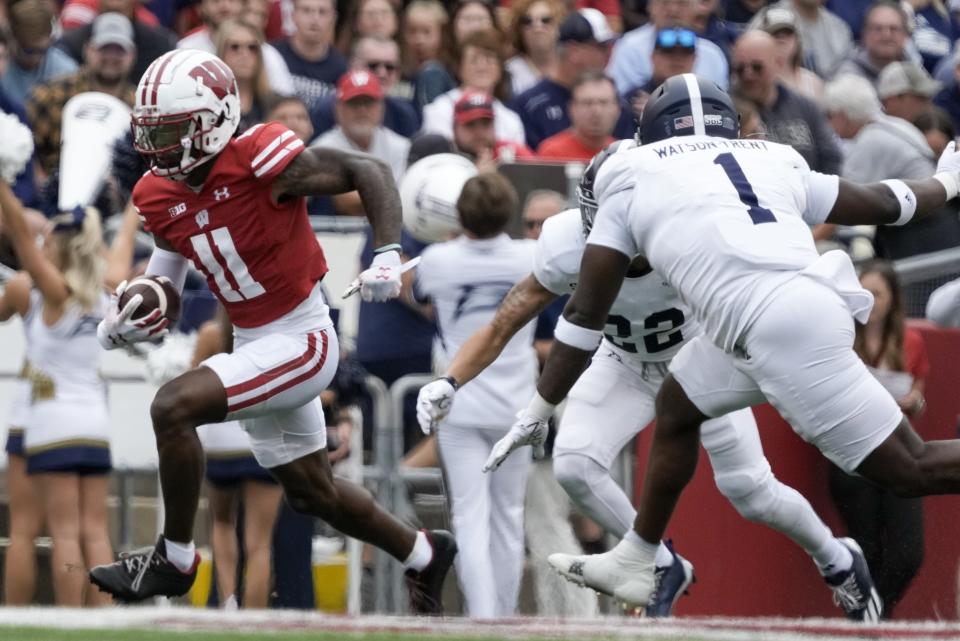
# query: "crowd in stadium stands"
[[868, 89]]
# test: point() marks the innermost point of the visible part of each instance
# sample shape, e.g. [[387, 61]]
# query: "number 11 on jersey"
[[225, 266]]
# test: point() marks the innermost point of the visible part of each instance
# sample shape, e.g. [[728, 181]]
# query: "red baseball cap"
[[473, 105], [358, 83]]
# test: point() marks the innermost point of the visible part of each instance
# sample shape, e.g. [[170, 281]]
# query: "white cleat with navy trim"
[[853, 589], [621, 573]]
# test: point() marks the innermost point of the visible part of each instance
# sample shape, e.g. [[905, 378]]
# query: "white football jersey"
[[725, 222], [647, 321], [467, 279]]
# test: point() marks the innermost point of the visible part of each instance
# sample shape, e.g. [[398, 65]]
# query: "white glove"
[[948, 169], [528, 430], [17, 147], [433, 403], [117, 330], [382, 280]]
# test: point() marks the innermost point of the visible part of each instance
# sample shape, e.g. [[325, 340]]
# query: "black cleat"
[[425, 586], [853, 589], [142, 574]]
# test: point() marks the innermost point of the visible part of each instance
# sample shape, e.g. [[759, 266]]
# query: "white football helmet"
[[187, 109]]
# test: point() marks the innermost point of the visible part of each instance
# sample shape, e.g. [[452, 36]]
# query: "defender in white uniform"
[[725, 221], [466, 279], [614, 399]]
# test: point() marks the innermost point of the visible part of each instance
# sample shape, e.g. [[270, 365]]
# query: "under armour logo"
[[383, 273], [221, 194], [576, 568], [202, 218]]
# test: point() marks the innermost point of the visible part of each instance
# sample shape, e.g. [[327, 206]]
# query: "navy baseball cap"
[[587, 26]]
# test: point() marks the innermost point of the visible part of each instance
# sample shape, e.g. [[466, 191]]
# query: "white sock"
[[664, 556], [636, 549], [835, 557], [420, 555], [182, 555]]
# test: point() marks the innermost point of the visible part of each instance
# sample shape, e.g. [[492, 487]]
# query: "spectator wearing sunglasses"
[[674, 53], [215, 13], [533, 32], [631, 65], [380, 57], [32, 59], [584, 46], [788, 117], [309, 53]]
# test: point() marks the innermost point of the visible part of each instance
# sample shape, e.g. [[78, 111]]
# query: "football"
[[428, 194], [158, 293]]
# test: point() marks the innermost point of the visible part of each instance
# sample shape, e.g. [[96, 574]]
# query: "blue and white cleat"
[[853, 589], [670, 583]]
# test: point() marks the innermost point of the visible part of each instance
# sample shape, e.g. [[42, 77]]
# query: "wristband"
[[540, 408], [453, 382], [576, 336], [906, 198], [392, 247], [949, 182]]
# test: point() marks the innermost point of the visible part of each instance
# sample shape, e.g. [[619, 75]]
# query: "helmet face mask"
[[586, 198], [187, 110]]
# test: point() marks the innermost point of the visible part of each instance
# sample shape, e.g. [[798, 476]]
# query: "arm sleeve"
[[612, 225], [169, 264], [943, 306], [822, 191]]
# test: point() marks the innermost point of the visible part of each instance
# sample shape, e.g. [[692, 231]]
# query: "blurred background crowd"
[[868, 89]]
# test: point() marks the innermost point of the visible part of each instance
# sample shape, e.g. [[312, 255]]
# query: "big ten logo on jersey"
[[178, 210], [480, 297], [202, 218]]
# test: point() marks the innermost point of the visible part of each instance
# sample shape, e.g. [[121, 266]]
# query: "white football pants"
[[487, 515], [613, 401]]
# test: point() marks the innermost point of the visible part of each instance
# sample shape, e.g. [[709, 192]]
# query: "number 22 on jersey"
[[220, 261]]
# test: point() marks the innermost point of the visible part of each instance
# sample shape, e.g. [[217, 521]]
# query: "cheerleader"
[[67, 426]]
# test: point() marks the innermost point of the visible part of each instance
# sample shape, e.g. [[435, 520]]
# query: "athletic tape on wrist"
[[392, 247], [540, 407], [906, 198], [950, 182], [577, 336]]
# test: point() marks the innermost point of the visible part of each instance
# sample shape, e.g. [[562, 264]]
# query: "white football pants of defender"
[[613, 401], [273, 382], [487, 518], [798, 354]]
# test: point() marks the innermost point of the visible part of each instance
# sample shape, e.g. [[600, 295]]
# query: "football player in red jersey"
[[234, 207]]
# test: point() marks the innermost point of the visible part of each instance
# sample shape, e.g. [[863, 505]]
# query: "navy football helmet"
[[586, 199], [688, 105]]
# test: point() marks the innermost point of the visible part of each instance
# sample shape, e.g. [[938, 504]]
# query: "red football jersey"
[[261, 259]]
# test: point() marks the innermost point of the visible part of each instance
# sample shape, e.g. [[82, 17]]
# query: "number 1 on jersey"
[[744, 189], [227, 269]]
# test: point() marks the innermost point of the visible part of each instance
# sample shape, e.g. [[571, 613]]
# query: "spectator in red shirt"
[[474, 135], [887, 527], [594, 110]]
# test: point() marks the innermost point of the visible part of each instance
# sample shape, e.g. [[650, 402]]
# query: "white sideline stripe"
[[696, 104], [714, 628], [277, 157], [269, 148]]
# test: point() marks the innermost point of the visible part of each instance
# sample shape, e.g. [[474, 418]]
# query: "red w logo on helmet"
[[215, 75]]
